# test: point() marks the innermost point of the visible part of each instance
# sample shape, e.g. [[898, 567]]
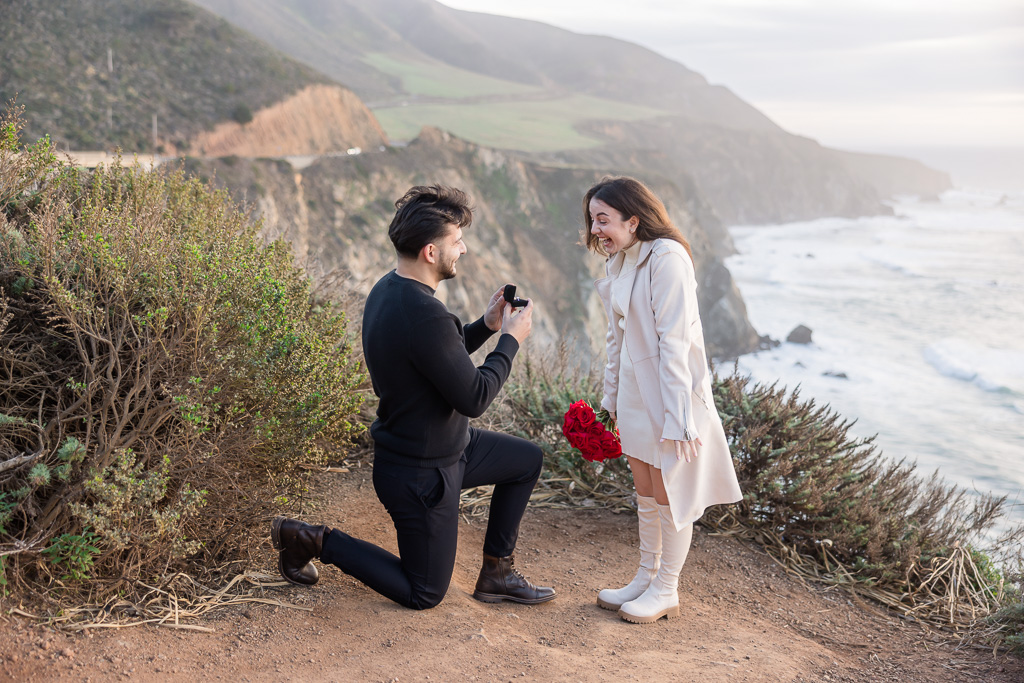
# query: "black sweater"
[[417, 353]]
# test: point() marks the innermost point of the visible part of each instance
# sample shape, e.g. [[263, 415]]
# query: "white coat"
[[665, 342]]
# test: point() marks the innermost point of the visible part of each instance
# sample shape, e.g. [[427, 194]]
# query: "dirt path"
[[742, 619]]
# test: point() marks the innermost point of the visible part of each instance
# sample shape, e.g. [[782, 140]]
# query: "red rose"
[[571, 425], [610, 445], [586, 416], [588, 435], [590, 448]]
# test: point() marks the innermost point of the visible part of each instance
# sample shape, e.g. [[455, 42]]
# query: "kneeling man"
[[425, 452]]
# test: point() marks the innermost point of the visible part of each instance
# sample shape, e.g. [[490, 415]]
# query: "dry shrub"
[[1006, 625], [533, 406], [824, 503], [815, 492], [162, 373]]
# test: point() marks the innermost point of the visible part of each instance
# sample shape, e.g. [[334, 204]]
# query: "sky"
[[853, 74]]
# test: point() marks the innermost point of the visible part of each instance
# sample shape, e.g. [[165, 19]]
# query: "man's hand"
[[518, 324], [495, 308]]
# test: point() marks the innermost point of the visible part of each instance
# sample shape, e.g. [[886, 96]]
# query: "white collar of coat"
[[616, 259]]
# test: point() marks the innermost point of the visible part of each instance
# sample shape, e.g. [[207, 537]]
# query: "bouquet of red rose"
[[586, 432]]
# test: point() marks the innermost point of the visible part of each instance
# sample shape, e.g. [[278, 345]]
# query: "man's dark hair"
[[423, 215]]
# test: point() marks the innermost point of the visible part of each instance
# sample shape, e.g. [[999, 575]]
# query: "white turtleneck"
[[624, 282]]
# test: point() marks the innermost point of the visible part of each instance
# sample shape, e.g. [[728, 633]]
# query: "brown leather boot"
[[299, 544], [500, 580]]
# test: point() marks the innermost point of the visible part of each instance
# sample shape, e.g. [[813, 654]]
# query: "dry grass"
[[178, 601]]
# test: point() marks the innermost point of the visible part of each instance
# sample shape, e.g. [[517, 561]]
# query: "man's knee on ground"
[[425, 600]]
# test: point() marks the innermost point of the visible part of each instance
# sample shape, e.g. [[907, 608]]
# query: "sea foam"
[[990, 369]]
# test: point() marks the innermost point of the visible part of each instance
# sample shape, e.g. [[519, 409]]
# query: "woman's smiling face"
[[608, 225]]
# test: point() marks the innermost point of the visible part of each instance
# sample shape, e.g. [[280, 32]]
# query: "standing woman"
[[657, 386]]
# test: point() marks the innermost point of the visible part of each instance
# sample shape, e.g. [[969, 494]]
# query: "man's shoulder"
[[405, 298]]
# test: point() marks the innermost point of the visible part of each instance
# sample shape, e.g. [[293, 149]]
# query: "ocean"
[[918, 329]]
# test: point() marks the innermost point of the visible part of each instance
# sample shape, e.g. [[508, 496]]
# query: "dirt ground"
[[742, 619]]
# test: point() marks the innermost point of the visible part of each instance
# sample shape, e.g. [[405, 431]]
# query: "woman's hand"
[[687, 449]]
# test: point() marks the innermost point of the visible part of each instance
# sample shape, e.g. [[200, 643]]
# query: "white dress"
[[636, 432]]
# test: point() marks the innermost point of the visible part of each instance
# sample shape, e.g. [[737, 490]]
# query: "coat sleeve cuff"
[[680, 432]]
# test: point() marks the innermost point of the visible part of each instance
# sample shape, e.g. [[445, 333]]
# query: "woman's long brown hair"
[[631, 198]]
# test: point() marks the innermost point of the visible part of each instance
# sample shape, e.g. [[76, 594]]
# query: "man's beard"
[[447, 269]]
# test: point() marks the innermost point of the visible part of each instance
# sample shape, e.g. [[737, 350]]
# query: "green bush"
[[242, 114], [533, 406], [833, 508], [1007, 623], [164, 370], [833, 496], [826, 503]]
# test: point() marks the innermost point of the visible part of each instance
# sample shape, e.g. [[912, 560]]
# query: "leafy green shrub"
[[164, 370], [242, 114], [825, 491], [1008, 622], [73, 554]]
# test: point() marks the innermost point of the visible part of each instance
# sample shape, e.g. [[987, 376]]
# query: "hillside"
[[525, 231], [400, 52], [318, 119], [527, 86], [336, 210], [166, 58], [393, 37]]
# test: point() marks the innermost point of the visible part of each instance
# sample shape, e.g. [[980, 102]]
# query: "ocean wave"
[[995, 370], [893, 263]]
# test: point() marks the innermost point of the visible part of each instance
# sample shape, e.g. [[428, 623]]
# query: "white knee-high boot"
[[661, 599], [650, 550]]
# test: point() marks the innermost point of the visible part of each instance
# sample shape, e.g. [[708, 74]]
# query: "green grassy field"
[[436, 79], [527, 125]]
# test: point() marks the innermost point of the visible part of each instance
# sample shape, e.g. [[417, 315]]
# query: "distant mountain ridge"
[[337, 36], [419, 61]]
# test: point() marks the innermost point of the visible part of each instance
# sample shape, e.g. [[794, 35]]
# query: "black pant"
[[424, 505]]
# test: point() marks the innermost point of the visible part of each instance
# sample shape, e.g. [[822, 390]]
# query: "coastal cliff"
[[526, 230]]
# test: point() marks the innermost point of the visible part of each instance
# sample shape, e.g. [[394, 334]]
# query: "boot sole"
[[670, 613], [604, 604], [493, 598]]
